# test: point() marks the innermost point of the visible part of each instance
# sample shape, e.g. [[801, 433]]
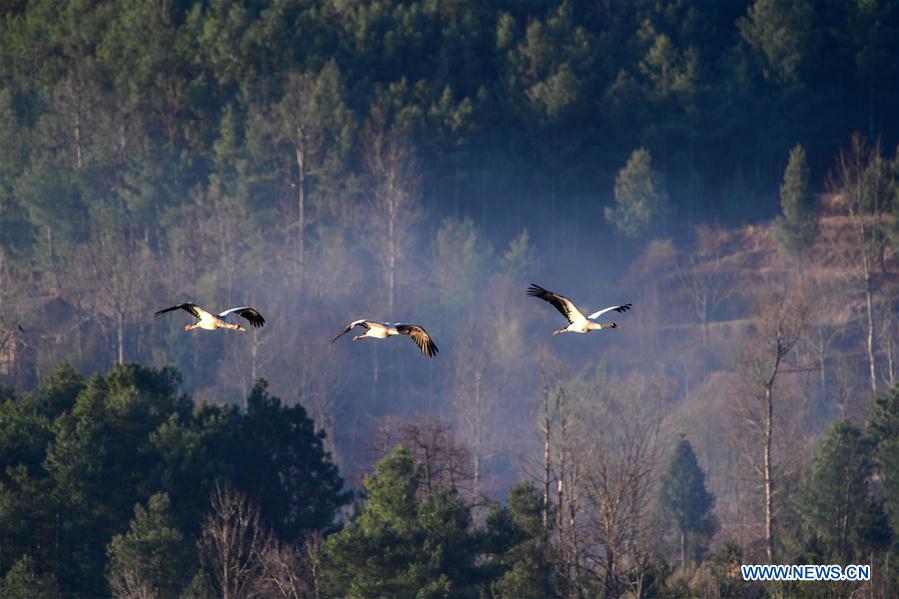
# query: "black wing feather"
[[623, 307], [558, 301], [186, 306], [347, 329], [253, 317], [420, 337]]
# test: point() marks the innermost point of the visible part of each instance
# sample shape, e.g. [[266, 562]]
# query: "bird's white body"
[[584, 326], [577, 322], [209, 321], [383, 330], [378, 331]]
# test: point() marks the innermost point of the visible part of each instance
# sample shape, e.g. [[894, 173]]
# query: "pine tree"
[[883, 430], [834, 494], [23, 582], [640, 196], [797, 228], [152, 558], [516, 536], [402, 546], [686, 502], [58, 392], [282, 460]]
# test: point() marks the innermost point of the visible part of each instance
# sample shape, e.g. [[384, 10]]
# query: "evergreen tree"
[[153, 558], [58, 391], [400, 546], [22, 581], [520, 544], [687, 503], [779, 32], [194, 454], [883, 430], [640, 196], [797, 226], [24, 434], [280, 458], [834, 494], [101, 463]]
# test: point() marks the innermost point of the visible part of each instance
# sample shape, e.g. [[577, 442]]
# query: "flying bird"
[[383, 330], [577, 322], [209, 321]]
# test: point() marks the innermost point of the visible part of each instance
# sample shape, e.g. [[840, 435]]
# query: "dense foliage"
[[129, 447], [424, 160]]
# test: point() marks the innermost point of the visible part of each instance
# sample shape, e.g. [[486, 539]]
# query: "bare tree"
[[444, 463], [302, 133], [776, 331], [115, 264], [129, 584], [619, 477], [701, 273], [477, 380], [548, 408], [232, 543], [291, 572], [569, 470], [12, 294], [390, 161], [862, 178]]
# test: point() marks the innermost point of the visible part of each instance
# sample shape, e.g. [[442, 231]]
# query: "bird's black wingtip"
[[534, 290]]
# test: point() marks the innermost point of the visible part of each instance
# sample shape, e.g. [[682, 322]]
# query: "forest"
[[729, 168]]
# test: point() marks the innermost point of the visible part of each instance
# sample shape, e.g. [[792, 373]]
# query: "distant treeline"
[[509, 104]]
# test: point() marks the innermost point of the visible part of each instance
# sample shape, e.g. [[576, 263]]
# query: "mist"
[[425, 164]]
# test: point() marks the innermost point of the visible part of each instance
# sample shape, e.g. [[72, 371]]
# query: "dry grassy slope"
[[737, 271]]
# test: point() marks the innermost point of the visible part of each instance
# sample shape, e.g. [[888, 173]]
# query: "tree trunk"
[[391, 260], [301, 206], [120, 334], [547, 455], [869, 308], [769, 421], [822, 357], [890, 362], [254, 362], [560, 487], [51, 256], [79, 149], [478, 423], [610, 590]]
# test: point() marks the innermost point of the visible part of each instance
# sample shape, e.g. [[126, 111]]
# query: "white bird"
[[577, 322], [383, 330], [208, 321]]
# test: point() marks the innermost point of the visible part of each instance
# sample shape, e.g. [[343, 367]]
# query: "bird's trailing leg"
[[190, 327], [560, 331], [358, 337]]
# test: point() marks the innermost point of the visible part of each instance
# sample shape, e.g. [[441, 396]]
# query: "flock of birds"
[[577, 322]]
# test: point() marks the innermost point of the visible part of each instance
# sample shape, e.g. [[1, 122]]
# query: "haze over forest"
[[730, 168]]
